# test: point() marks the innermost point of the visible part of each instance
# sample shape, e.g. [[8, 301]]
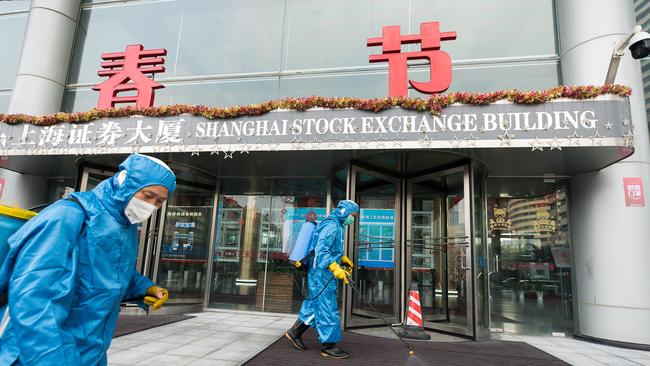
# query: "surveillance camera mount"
[[619, 51]]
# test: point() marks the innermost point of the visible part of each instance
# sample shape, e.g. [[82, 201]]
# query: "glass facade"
[[231, 52], [227, 247], [186, 240], [224, 243], [374, 247], [480, 250], [531, 283], [440, 249], [13, 19], [258, 223]]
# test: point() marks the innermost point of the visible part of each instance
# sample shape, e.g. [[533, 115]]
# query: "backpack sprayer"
[[304, 247], [299, 257], [302, 251]]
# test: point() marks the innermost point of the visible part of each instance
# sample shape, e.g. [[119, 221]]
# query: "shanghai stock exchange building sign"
[[601, 121]]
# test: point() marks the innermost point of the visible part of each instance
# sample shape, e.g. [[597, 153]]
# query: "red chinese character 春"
[[429, 39], [126, 73]]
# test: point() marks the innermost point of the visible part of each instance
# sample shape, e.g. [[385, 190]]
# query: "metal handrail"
[[443, 237]]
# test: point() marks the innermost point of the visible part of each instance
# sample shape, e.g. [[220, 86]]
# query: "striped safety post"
[[414, 329]]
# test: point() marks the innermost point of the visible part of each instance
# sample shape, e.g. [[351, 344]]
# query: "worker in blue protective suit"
[[69, 268], [322, 311]]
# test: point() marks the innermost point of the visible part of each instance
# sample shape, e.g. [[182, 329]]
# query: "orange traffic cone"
[[413, 329]]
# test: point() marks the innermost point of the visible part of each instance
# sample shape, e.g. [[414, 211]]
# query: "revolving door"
[[423, 231]]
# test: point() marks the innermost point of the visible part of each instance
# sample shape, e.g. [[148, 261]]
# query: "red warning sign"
[[633, 188]]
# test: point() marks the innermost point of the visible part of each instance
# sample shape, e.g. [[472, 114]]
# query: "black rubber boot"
[[295, 333], [331, 350]]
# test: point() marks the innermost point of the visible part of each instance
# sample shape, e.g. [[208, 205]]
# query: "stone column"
[[611, 248], [45, 57]]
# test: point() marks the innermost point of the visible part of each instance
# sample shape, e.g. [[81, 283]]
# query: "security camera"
[[640, 45], [640, 48]]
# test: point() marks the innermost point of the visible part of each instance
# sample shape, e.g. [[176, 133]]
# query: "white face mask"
[[138, 210]]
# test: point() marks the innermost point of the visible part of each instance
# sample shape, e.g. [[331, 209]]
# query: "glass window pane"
[[335, 35], [536, 76], [14, 6], [238, 272], [210, 93], [4, 102], [12, 29], [185, 243], [530, 248], [360, 85], [373, 248], [481, 270], [219, 92], [341, 45], [201, 37], [229, 37], [257, 233], [525, 28], [111, 28]]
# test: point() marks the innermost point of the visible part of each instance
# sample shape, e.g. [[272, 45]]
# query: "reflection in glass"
[[12, 28], [4, 102], [439, 247], [236, 269], [290, 57], [530, 286], [196, 34], [540, 75], [428, 264], [526, 28], [481, 271], [374, 248], [256, 233], [457, 249], [185, 243], [214, 93]]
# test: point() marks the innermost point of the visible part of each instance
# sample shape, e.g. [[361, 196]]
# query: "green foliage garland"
[[435, 105]]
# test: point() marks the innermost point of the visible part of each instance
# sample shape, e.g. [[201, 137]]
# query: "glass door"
[[374, 248], [184, 244], [438, 248], [258, 223], [241, 250], [530, 283]]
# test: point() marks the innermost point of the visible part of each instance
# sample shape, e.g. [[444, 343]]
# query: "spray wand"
[[413, 360]]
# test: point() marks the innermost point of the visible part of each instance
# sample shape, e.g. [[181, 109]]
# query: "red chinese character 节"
[[126, 73], [429, 39]]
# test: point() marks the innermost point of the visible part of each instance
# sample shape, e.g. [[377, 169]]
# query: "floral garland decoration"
[[435, 105]]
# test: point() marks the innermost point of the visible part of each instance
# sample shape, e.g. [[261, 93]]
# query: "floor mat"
[[368, 350], [134, 323]]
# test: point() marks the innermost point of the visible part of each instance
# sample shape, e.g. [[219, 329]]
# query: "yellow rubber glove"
[[347, 264], [158, 297], [339, 272]]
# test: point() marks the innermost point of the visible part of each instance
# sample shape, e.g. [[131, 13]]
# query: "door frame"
[[349, 246], [468, 329]]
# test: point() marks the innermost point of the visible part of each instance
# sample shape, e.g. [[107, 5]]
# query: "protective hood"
[[136, 172], [344, 209]]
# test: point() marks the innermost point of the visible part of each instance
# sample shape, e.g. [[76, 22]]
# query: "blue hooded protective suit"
[[322, 313], [69, 268]]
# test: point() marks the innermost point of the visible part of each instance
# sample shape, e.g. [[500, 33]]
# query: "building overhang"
[[561, 136]]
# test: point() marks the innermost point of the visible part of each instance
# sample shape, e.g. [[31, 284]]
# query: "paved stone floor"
[[582, 353], [228, 338], [222, 338]]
